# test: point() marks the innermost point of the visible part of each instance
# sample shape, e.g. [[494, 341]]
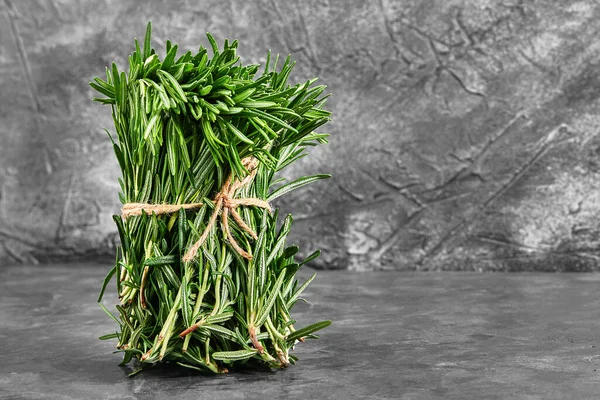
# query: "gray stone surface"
[[394, 335], [464, 133]]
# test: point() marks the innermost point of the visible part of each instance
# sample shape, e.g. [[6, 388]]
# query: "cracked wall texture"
[[465, 132]]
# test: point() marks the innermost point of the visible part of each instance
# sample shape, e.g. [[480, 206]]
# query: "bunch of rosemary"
[[203, 272]]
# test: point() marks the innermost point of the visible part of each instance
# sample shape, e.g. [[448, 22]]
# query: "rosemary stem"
[[253, 331], [218, 283], [172, 315], [203, 290], [207, 351], [272, 330], [199, 297], [167, 337], [142, 287]]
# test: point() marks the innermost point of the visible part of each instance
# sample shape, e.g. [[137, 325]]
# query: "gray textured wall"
[[465, 132]]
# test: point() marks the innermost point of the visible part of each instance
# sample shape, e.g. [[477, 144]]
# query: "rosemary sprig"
[[185, 128]]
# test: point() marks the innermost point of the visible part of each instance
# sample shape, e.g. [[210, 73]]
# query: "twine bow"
[[224, 203]]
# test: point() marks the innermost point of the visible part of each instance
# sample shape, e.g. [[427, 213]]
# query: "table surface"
[[394, 335]]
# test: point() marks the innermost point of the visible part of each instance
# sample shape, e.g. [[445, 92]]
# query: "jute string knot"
[[225, 203]]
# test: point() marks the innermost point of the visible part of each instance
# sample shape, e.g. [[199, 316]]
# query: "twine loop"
[[225, 203]]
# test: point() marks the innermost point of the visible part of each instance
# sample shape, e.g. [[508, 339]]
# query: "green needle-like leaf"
[[307, 330], [298, 183], [147, 38], [106, 281], [234, 355], [109, 313]]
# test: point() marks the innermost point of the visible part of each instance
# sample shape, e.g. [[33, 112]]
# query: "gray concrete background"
[[465, 132]]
